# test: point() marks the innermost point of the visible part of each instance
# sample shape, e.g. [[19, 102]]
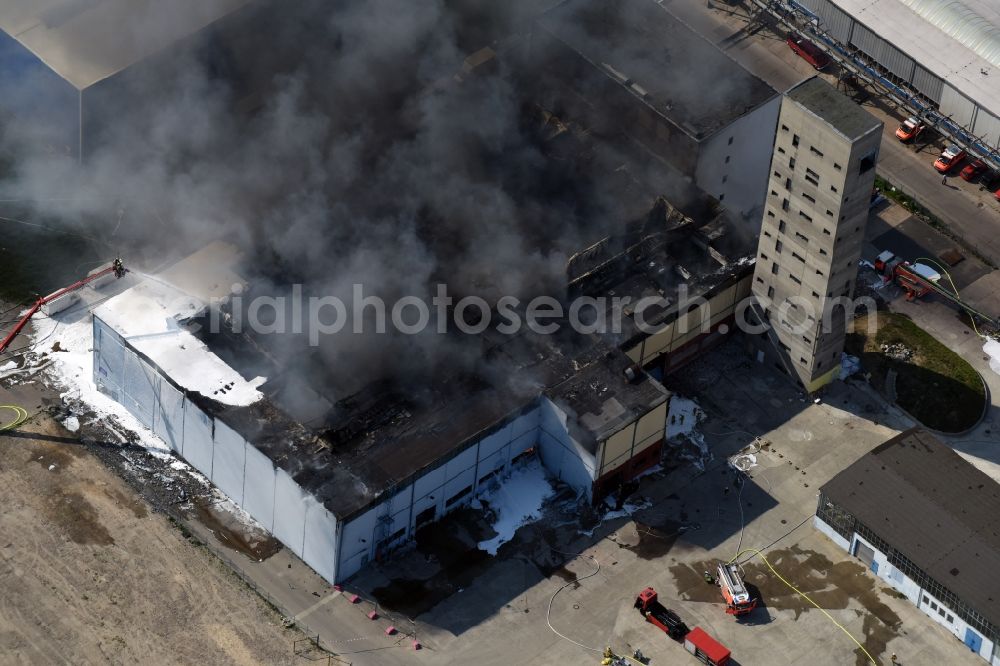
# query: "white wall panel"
[[140, 392], [462, 462], [494, 442], [525, 423], [561, 455], [169, 418], [320, 550], [401, 500], [493, 462], [429, 482], [198, 442], [959, 107], [289, 512], [456, 484], [835, 21], [229, 462], [927, 84], [258, 487], [988, 127], [356, 543], [109, 360]]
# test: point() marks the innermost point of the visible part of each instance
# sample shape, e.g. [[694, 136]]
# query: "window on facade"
[[829, 212], [812, 180], [833, 189], [798, 257], [722, 196], [867, 163], [727, 159], [809, 198], [767, 233], [725, 178], [784, 204], [820, 273], [770, 292], [759, 279], [815, 295], [801, 237], [837, 167], [788, 183], [791, 162], [777, 175], [795, 139], [813, 150], [794, 279], [827, 232], [808, 219], [777, 246], [730, 141], [822, 251], [774, 268], [784, 128], [806, 340], [951, 618], [926, 599], [803, 361], [781, 150], [770, 213], [781, 226]]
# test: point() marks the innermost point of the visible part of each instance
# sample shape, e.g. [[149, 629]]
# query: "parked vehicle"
[[659, 615], [808, 51], [973, 170], [949, 159], [738, 599], [910, 129]]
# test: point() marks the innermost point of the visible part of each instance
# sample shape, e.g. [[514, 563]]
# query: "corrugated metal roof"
[[935, 508], [85, 41], [970, 27], [934, 49]]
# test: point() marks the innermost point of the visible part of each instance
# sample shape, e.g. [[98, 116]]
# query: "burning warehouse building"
[[347, 492], [349, 485]]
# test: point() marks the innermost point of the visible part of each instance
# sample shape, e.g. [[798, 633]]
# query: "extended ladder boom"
[[116, 267]]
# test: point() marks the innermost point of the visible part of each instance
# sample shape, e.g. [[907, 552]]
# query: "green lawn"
[[936, 386]]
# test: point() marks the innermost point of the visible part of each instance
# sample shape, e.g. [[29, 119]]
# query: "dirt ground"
[[90, 575]]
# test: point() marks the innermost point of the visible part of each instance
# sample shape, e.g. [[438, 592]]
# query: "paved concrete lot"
[[500, 612]]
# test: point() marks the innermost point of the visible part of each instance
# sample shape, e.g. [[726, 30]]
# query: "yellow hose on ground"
[[953, 288], [21, 415], [806, 597]]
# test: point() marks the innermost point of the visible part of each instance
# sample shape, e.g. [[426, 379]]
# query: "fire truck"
[[916, 279], [659, 615], [696, 641], [734, 591]]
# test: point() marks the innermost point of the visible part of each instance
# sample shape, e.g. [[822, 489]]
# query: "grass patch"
[[936, 386]]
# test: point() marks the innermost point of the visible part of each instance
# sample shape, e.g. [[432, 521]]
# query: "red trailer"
[[705, 648]]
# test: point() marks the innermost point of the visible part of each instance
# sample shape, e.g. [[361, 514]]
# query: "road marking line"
[[325, 600]]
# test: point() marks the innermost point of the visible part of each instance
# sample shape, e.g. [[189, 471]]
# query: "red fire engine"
[[918, 280], [734, 591]]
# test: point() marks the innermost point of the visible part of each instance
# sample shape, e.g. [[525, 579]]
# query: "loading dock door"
[[973, 640], [866, 555]]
